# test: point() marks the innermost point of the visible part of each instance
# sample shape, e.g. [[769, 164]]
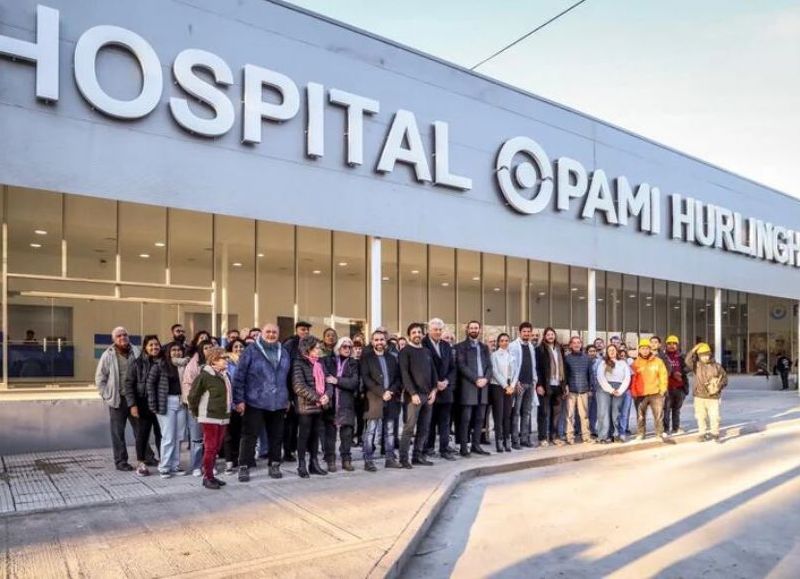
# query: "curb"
[[394, 561]]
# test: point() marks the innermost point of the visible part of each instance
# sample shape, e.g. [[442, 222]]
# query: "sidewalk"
[[343, 525]]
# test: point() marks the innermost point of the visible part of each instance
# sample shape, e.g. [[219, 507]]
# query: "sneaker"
[[558, 442], [244, 474], [165, 474], [369, 466], [667, 439], [544, 443], [178, 472], [275, 471], [211, 484], [197, 472], [679, 431], [143, 470], [229, 468]]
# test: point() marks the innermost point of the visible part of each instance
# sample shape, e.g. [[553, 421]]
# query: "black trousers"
[[784, 380], [360, 406], [147, 420], [233, 436], [549, 413], [346, 441], [118, 417], [290, 426], [308, 435], [329, 436], [253, 420], [471, 425], [502, 405], [440, 426]]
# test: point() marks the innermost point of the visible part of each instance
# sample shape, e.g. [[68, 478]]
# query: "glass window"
[[494, 295], [190, 247], [469, 289], [646, 309], [314, 277], [687, 315], [275, 257], [660, 305], [516, 292], [560, 300], [674, 325], [614, 303], [539, 292], [600, 290], [780, 330], [413, 284], [630, 310], [350, 283], [578, 282], [142, 242], [442, 285], [90, 230], [702, 309], [390, 286], [757, 317], [34, 231], [235, 272]]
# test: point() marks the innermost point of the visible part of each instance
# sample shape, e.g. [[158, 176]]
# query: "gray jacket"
[[106, 378]]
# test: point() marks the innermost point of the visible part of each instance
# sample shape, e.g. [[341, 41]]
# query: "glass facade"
[[75, 267]]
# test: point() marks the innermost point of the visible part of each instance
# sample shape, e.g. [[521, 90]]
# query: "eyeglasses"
[[345, 346]]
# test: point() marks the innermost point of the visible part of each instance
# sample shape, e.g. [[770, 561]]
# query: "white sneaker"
[[166, 474], [197, 472]]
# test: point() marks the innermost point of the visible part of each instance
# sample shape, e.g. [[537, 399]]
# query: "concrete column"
[[375, 283], [718, 325], [591, 305]]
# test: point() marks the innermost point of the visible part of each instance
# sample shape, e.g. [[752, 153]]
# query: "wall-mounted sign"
[[529, 186]]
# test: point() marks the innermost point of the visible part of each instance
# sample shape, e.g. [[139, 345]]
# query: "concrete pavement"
[[342, 525]]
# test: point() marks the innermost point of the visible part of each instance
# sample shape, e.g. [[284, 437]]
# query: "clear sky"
[[717, 79]]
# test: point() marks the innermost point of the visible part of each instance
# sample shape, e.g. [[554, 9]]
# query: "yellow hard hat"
[[673, 340], [703, 348], [644, 342]]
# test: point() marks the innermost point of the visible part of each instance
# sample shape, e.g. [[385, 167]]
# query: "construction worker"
[[648, 387], [677, 386], [710, 379]]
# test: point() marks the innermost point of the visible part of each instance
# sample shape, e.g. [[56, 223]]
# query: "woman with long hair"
[[613, 379], [136, 396], [164, 399]]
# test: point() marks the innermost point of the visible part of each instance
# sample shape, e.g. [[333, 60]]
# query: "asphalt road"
[[692, 510]]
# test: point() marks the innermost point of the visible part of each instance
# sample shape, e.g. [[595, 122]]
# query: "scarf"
[[319, 375]]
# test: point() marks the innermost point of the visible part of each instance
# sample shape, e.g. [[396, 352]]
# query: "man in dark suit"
[[290, 425], [445, 365], [380, 374], [474, 364]]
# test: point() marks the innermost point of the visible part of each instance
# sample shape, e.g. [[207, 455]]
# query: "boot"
[[301, 468], [331, 465], [315, 468], [347, 465], [275, 470], [506, 445]]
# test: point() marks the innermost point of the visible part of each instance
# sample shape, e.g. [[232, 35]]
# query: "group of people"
[[260, 398]]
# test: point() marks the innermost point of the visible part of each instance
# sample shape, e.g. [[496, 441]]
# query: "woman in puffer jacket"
[[164, 399], [135, 388], [313, 396]]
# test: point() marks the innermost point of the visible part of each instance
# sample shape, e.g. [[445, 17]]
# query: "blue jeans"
[[625, 413], [372, 431], [603, 424], [593, 411], [172, 424], [195, 442]]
